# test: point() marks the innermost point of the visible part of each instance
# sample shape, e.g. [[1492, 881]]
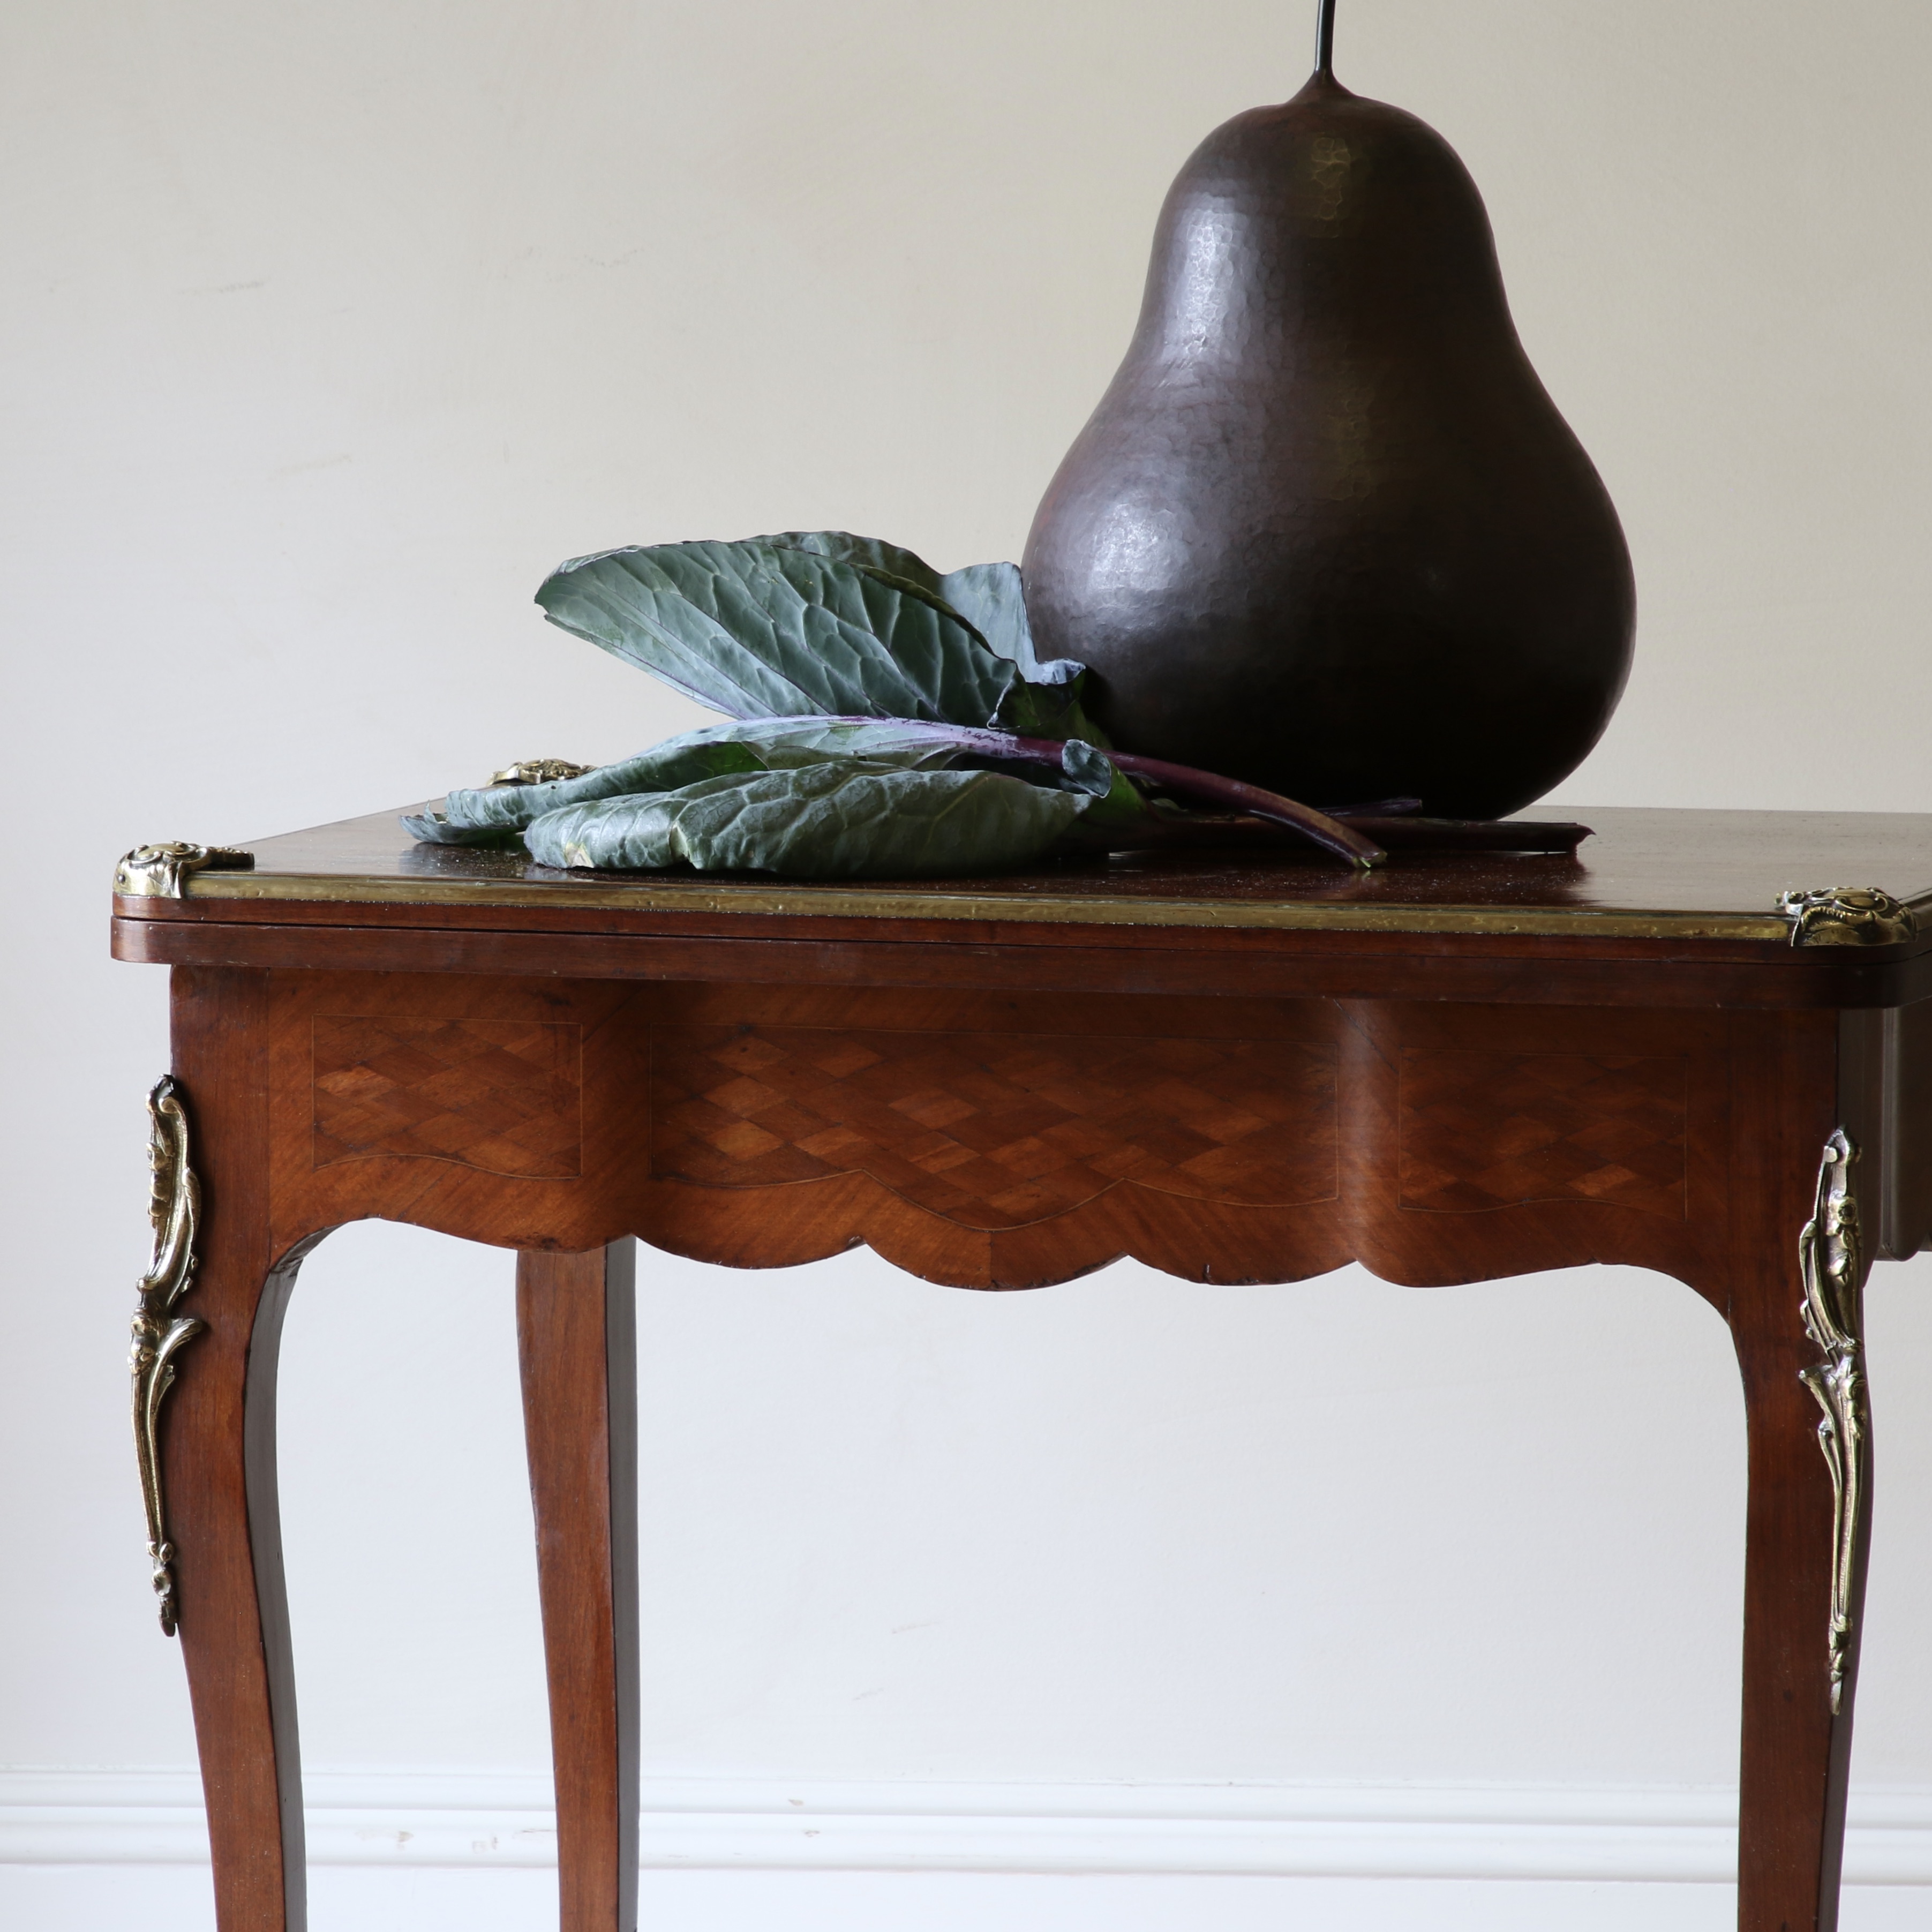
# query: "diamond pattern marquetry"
[[996, 1130], [504, 1096], [1496, 1130]]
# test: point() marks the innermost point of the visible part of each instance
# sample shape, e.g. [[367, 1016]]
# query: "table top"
[[1645, 874]]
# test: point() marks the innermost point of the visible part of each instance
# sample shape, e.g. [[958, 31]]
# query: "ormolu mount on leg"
[[1830, 1256], [160, 1334]]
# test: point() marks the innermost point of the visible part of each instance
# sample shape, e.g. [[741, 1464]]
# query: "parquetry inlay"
[[504, 1095], [995, 1130], [1482, 1129]]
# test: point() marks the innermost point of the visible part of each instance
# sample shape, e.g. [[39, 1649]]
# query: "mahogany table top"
[[1659, 907], [1649, 874]]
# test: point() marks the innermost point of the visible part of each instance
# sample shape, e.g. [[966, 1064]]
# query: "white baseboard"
[[454, 1818]]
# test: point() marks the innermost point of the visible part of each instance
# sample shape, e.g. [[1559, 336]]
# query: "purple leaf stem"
[[1333, 835], [1183, 781]]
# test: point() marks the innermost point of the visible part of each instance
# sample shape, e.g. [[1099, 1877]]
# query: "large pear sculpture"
[[1326, 532]]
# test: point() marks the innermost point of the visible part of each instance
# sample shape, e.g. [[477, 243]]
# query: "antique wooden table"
[[1237, 1069]]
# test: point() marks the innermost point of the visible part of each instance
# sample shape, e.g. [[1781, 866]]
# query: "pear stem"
[[1325, 39]]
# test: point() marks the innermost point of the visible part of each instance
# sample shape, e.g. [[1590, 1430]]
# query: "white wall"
[[335, 326]]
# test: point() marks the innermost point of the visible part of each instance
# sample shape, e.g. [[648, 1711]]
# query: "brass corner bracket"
[[539, 771], [174, 1208], [162, 871], [1847, 916], [1831, 1259]]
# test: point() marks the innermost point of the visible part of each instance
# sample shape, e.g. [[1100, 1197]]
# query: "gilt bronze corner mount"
[[539, 771], [174, 1208], [1847, 916], [162, 871]]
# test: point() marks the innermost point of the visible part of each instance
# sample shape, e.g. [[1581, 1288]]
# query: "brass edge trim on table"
[[847, 902], [1830, 1260], [174, 1208]]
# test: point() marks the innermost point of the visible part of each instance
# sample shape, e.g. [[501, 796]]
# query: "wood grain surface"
[[1680, 864], [988, 957], [1482, 1129], [576, 1343], [1011, 1141], [503, 1096], [995, 1129], [996, 1106], [217, 1452]]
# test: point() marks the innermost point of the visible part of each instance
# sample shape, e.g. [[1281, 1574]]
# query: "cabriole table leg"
[[217, 1466], [1795, 1321]]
